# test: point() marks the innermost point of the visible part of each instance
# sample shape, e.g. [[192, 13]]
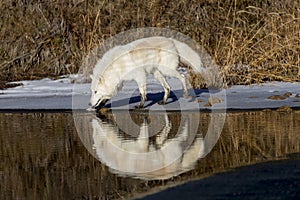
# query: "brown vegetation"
[[252, 41]]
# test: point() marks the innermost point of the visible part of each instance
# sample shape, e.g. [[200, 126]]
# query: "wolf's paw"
[[139, 106], [161, 102], [90, 109]]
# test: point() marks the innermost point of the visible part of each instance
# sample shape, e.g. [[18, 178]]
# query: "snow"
[[63, 94], [45, 94]]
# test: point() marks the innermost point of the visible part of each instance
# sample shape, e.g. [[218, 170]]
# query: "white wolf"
[[159, 56]]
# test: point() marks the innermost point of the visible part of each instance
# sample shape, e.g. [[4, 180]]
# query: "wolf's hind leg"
[[160, 78], [183, 82], [174, 73]]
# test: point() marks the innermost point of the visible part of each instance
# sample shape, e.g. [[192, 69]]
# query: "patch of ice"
[[57, 94]]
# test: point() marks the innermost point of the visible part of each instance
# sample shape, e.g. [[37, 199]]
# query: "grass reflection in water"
[[42, 155]]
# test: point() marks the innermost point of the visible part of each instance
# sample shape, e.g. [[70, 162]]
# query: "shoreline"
[[141, 111]]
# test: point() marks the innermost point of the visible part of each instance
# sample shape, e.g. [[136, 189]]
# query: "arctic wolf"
[[159, 56]]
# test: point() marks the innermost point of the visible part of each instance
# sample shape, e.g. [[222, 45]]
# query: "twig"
[[8, 64]]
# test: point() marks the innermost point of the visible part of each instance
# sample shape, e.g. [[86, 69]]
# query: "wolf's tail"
[[189, 57]]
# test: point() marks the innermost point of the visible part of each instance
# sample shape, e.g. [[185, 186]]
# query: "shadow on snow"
[[153, 98]]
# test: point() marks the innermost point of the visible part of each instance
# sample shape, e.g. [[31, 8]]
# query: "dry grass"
[[252, 41]]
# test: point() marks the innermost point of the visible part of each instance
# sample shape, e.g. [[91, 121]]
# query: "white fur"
[[159, 56], [161, 160]]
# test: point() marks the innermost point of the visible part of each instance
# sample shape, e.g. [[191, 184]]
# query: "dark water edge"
[[269, 180], [43, 157]]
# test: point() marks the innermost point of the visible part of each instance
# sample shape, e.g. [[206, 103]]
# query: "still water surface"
[[44, 156]]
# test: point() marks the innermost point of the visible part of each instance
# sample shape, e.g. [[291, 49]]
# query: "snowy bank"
[[47, 94]]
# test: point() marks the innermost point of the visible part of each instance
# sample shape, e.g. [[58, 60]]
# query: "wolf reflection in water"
[[154, 146], [144, 156]]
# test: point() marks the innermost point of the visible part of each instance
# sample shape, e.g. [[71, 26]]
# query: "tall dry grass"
[[251, 40]]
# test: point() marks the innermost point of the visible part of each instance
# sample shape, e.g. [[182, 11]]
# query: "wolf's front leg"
[[142, 88], [141, 80]]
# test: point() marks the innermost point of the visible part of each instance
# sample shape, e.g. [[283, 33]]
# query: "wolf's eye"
[[95, 92]]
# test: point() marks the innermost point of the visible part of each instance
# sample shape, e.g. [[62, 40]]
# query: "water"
[[43, 155]]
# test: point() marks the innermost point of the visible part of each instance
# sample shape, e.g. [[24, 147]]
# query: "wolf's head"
[[100, 92]]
